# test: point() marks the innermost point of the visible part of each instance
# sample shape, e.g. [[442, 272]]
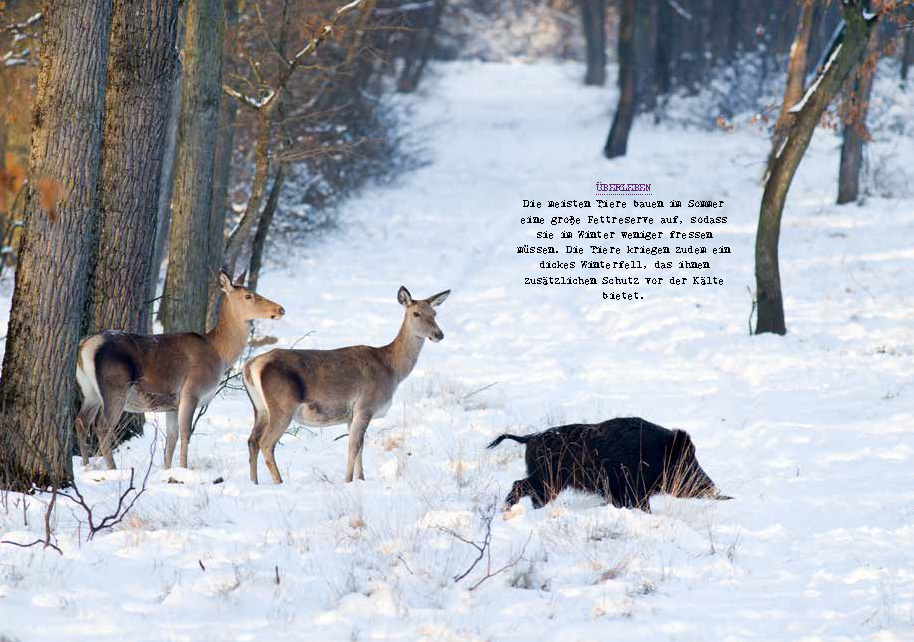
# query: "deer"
[[171, 373], [319, 388]]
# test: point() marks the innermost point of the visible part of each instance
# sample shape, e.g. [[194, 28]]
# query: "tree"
[[796, 72], [844, 57], [855, 125], [141, 72], [187, 280], [617, 142], [264, 107], [50, 291], [593, 15], [224, 148]]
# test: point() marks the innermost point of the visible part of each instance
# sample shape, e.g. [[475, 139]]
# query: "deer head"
[[247, 304], [420, 314]]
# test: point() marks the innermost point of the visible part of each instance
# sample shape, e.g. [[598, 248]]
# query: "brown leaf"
[[50, 193]]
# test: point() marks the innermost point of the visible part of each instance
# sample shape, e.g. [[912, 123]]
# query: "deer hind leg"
[[171, 436], [357, 428], [279, 420], [113, 409], [261, 422], [88, 412], [186, 408]]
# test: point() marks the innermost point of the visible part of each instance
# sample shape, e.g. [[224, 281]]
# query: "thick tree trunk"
[[186, 285], [50, 293], [166, 190], [593, 14], [843, 60], [143, 62], [263, 228], [796, 71], [225, 146], [617, 141], [852, 146]]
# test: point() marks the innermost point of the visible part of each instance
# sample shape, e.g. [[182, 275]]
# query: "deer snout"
[[278, 313], [437, 336]]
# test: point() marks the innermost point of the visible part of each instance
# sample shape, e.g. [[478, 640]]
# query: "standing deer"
[[171, 373], [350, 385]]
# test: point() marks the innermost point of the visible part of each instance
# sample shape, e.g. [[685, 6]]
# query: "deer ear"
[[225, 282], [437, 299], [239, 282], [403, 296]]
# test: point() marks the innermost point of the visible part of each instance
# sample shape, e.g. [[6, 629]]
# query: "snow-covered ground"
[[811, 432]]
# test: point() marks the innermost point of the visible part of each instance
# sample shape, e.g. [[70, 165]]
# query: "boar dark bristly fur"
[[625, 460]]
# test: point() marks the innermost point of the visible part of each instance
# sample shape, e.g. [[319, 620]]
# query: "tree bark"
[[852, 145], [225, 146], [263, 228], [663, 38], [142, 67], [186, 286], [166, 190], [843, 60], [50, 291], [796, 71], [617, 141], [593, 14]]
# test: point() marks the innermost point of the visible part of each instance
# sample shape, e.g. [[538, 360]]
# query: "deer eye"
[[416, 314], [248, 296]]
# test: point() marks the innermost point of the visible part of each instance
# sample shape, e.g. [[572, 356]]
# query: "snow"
[[811, 432], [815, 84]]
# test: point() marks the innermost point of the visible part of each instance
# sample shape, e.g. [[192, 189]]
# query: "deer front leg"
[[186, 408], [171, 436], [357, 428]]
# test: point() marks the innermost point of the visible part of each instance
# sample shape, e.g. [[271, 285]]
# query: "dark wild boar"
[[625, 460]]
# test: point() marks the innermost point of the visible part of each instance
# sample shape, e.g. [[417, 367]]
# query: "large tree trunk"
[[225, 146], [844, 59], [663, 39], [420, 49], [617, 141], [38, 386], [852, 146], [186, 285], [140, 83], [263, 228], [796, 70], [593, 15]]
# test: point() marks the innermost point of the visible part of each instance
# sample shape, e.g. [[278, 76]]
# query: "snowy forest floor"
[[811, 432]]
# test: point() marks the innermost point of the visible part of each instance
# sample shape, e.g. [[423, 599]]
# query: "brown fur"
[[349, 385], [171, 373]]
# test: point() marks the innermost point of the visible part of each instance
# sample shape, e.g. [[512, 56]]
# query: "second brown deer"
[[171, 373], [328, 387]]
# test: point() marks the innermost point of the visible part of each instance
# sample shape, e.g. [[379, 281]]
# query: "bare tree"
[[617, 142], [855, 124], [186, 292], [60, 231], [593, 17], [844, 57], [796, 71]]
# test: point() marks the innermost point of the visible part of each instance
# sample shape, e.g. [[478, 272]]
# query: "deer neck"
[[403, 352], [230, 334]]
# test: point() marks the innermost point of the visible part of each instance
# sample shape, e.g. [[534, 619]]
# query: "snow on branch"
[[815, 85], [317, 40], [679, 9]]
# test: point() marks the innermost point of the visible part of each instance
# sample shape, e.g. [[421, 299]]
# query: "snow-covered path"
[[812, 432]]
